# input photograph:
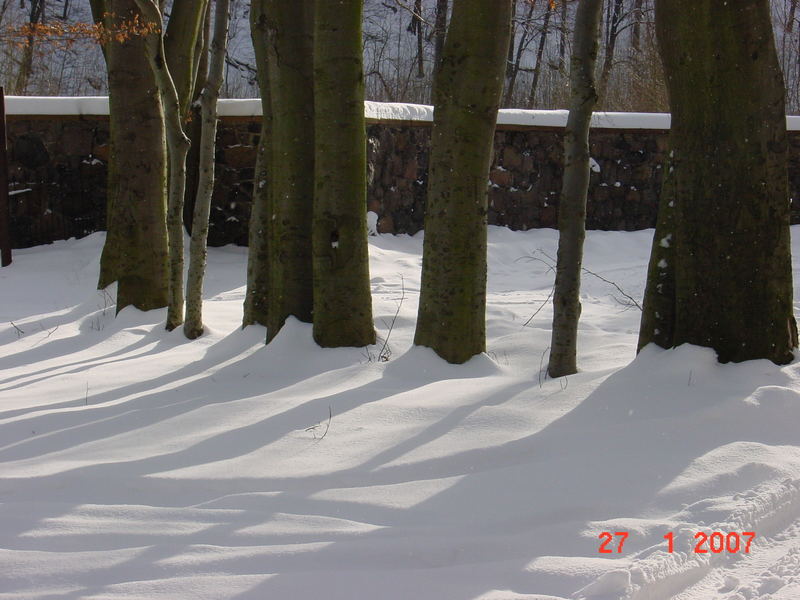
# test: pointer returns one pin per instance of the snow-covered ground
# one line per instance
(136, 464)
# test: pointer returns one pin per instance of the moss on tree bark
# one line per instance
(290, 56)
(720, 271)
(342, 299)
(452, 309)
(135, 253)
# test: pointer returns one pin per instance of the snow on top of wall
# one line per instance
(53, 105)
(398, 111)
(379, 111)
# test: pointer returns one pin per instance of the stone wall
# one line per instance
(62, 161)
(525, 179)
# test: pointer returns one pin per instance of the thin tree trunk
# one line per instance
(512, 37)
(180, 48)
(562, 42)
(290, 57)
(441, 31)
(539, 56)
(256, 301)
(177, 149)
(523, 41)
(135, 253)
(572, 205)
(636, 35)
(194, 124)
(193, 326)
(5, 216)
(418, 28)
(452, 307)
(608, 58)
(720, 271)
(342, 300)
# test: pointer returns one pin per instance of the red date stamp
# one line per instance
(715, 542)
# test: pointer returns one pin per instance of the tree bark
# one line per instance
(256, 301)
(193, 325)
(572, 205)
(184, 28)
(193, 124)
(177, 149)
(452, 308)
(720, 270)
(135, 253)
(342, 298)
(290, 56)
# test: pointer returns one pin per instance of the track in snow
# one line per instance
(770, 572)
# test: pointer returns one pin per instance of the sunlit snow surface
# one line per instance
(136, 464)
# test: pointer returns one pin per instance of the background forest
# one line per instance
(400, 42)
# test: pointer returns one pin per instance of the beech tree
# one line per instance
(342, 297)
(720, 270)
(290, 28)
(468, 84)
(177, 147)
(144, 244)
(256, 303)
(135, 252)
(193, 325)
(572, 204)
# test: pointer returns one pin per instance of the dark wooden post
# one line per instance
(5, 233)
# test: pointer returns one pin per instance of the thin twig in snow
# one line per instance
(385, 352)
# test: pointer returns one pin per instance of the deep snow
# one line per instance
(136, 464)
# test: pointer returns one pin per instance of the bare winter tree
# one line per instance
(193, 325)
(572, 205)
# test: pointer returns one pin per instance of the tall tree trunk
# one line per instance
(611, 45)
(537, 70)
(720, 271)
(177, 149)
(256, 300)
(290, 56)
(452, 307)
(572, 205)
(135, 253)
(193, 326)
(342, 300)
